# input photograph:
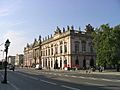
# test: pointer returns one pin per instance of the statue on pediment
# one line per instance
(63, 29)
(51, 35)
(28, 45)
(68, 28)
(35, 42)
(57, 30)
(39, 37)
(79, 30)
(89, 28)
(72, 27)
(48, 37)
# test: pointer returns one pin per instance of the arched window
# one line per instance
(84, 63)
(52, 49)
(65, 61)
(76, 47)
(65, 47)
(77, 61)
(56, 64)
(92, 62)
(51, 63)
(83, 46)
(60, 63)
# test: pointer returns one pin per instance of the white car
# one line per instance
(38, 67)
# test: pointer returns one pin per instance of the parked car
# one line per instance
(11, 67)
(38, 67)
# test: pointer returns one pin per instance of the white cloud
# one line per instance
(9, 6)
(3, 12)
(18, 41)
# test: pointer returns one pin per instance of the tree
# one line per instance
(107, 44)
(116, 48)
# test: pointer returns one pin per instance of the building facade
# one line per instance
(19, 59)
(66, 48)
(11, 60)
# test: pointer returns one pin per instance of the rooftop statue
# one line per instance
(57, 30)
(72, 27)
(63, 29)
(89, 28)
(39, 37)
(68, 28)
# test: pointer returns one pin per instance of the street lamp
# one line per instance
(7, 44)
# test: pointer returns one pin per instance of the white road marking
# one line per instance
(81, 77)
(50, 73)
(2, 76)
(28, 76)
(93, 78)
(48, 82)
(110, 80)
(66, 75)
(14, 86)
(74, 76)
(94, 84)
(107, 80)
(55, 74)
(59, 75)
(68, 87)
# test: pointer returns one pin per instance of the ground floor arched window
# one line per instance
(60, 63)
(65, 63)
(92, 62)
(56, 64)
(84, 63)
(77, 61)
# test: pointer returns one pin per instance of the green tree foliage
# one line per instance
(107, 44)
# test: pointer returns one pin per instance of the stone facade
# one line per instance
(66, 48)
(19, 59)
(11, 60)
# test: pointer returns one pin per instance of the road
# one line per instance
(38, 80)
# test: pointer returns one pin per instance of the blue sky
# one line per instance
(23, 20)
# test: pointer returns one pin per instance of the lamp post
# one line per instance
(7, 43)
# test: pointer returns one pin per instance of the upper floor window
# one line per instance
(56, 50)
(46, 52)
(83, 46)
(60, 49)
(41, 53)
(76, 47)
(61, 42)
(65, 47)
(52, 51)
(49, 51)
(91, 48)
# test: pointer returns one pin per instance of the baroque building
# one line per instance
(66, 48)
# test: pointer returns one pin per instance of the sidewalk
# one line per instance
(8, 86)
(106, 72)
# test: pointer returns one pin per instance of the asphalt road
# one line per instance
(38, 80)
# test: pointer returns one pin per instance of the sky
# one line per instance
(21, 21)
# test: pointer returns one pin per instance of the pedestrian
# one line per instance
(13, 67)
